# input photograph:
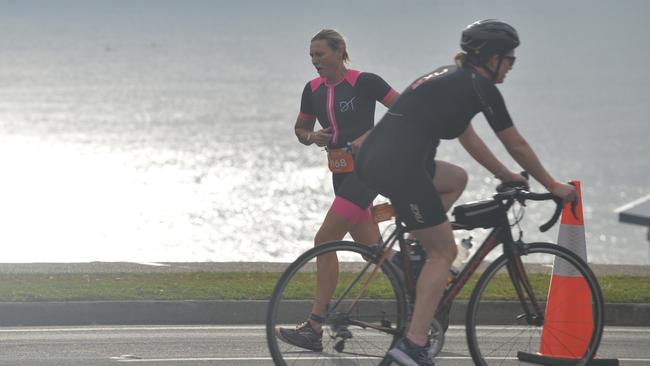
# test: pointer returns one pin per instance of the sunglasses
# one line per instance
(511, 59)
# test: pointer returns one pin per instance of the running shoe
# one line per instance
(408, 354)
(304, 336)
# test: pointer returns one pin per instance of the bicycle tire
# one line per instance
(501, 337)
(367, 346)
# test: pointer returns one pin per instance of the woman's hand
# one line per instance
(321, 137)
(565, 191)
(512, 177)
(356, 144)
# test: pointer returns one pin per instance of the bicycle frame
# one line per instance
(500, 234)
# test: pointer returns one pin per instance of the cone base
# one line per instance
(560, 361)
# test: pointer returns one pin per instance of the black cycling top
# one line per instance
(439, 105)
(348, 106)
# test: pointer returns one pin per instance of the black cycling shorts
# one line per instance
(353, 197)
(418, 203)
(412, 193)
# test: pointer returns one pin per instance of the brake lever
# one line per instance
(574, 204)
(574, 209)
(558, 211)
(522, 201)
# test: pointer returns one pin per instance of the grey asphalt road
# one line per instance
(220, 345)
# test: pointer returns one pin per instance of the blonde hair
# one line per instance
(460, 59)
(334, 40)
(463, 59)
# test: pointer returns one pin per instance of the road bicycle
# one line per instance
(506, 314)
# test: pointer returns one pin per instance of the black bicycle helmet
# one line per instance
(487, 37)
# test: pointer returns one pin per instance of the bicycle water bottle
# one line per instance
(463, 253)
(417, 257)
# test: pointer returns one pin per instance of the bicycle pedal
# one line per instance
(339, 346)
(342, 332)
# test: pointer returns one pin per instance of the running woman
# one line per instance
(441, 105)
(343, 101)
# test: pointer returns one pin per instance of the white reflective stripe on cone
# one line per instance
(571, 237)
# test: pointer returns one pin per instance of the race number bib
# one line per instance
(340, 160)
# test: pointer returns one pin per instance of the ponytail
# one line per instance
(463, 59)
(460, 59)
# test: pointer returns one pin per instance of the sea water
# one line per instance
(163, 130)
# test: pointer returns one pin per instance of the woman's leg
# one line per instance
(334, 227)
(438, 241)
(440, 246)
(343, 217)
(366, 232)
(309, 335)
(450, 181)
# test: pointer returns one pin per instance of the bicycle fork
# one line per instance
(533, 313)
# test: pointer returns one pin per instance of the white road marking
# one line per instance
(248, 327)
(154, 360)
(129, 328)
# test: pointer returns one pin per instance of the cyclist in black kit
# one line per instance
(441, 105)
(343, 101)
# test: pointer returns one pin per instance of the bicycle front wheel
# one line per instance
(564, 317)
(365, 317)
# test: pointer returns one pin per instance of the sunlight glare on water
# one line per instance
(159, 131)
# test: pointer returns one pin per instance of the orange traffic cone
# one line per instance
(568, 321)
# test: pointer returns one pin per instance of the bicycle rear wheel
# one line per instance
(567, 326)
(362, 323)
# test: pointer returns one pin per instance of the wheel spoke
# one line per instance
(492, 342)
(363, 300)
